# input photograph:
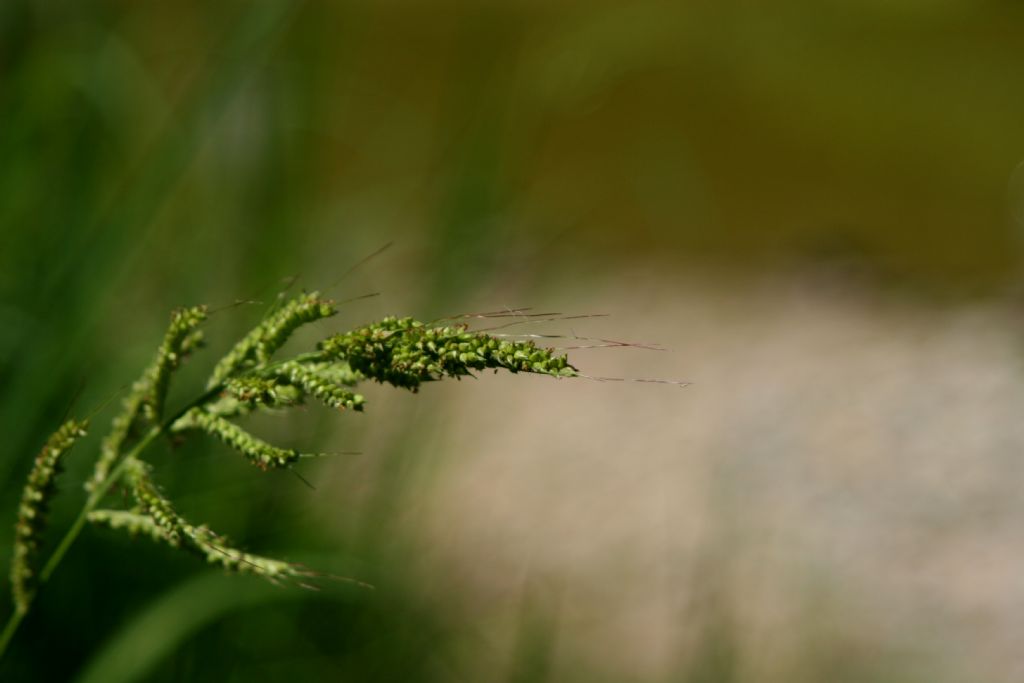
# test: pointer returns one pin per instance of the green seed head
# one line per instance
(320, 381)
(35, 499)
(255, 450)
(405, 353)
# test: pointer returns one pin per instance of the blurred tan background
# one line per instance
(835, 498)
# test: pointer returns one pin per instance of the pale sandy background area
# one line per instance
(839, 490)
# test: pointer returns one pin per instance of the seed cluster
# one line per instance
(256, 450)
(252, 391)
(313, 380)
(338, 372)
(405, 353)
(35, 502)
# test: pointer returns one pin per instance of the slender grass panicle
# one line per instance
(35, 500)
(398, 351)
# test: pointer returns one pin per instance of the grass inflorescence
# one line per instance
(402, 352)
(405, 353)
(35, 501)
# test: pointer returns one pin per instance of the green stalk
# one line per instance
(9, 630)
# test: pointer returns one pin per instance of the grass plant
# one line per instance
(402, 352)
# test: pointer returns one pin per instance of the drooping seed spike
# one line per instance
(218, 551)
(255, 450)
(199, 540)
(32, 513)
(154, 504)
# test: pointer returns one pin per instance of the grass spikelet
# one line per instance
(35, 499)
(135, 523)
(279, 327)
(178, 341)
(252, 390)
(256, 450)
(153, 503)
(405, 353)
(147, 394)
(317, 380)
(256, 348)
(213, 548)
(217, 550)
(340, 373)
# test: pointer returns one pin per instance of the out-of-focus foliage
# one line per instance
(155, 154)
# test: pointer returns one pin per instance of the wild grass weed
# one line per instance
(402, 352)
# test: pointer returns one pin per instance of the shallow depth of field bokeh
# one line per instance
(816, 207)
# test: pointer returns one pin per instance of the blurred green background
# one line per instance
(797, 197)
